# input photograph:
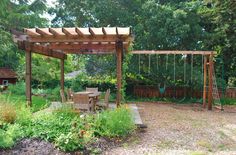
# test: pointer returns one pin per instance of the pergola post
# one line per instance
(119, 51)
(62, 75)
(28, 60)
(204, 82)
(210, 88)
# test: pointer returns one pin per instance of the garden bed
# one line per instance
(61, 129)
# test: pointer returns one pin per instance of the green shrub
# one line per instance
(17, 89)
(9, 134)
(24, 115)
(69, 142)
(62, 127)
(118, 122)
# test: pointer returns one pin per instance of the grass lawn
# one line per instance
(38, 102)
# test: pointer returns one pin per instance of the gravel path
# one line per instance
(181, 129)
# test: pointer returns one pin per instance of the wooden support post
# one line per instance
(119, 51)
(28, 59)
(210, 88)
(62, 75)
(205, 82)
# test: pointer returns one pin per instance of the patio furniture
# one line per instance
(69, 94)
(83, 102)
(105, 103)
(92, 89)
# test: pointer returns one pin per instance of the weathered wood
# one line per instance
(204, 82)
(62, 75)
(44, 32)
(28, 59)
(119, 51)
(45, 50)
(89, 52)
(174, 52)
(210, 88)
(82, 46)
(77, 38)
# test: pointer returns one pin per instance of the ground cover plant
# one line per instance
(67, 130)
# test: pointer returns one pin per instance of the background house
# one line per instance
(7, 76)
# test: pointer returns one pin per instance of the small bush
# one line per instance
(68, 142)
(17, 89)
(24, 115)
(118, 122)
(7, 113)
(9, 134)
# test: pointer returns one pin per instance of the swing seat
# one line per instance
(162, 90)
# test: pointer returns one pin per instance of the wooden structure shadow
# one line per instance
(58, 42)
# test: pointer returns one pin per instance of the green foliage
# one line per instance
(228, 101)
(9, 134)
(103, 83)
(17, 89)
(69, 142)
(20, 100)
(118, 122)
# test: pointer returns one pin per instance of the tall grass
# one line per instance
(118, 122)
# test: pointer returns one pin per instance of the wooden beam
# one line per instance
(89, 52)
(82, 46)
(55, 31)
(44, 32)
(210, 88)
(62, 75)
(91, 31)
(79, 31)
(173, 52)
(104, 31)
(32, 32)
(44, 50)
(28, 60)
(76, 38)
(204, 82)
(66, 32)
(119, 51)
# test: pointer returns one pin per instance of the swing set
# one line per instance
(207, 72)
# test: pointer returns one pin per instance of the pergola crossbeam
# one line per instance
(174, 52)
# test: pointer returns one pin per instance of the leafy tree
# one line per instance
(17, 15)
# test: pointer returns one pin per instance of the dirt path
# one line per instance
(182, 129)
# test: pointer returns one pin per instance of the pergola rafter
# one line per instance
(58, 42)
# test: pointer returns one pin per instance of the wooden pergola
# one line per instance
(58, 42)
(208, 67)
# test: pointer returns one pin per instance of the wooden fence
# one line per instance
(178, 92)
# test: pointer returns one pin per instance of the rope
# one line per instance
(157, 62)
(139, 64)
(185, 69)
(166, 61)
(149, 63)
(174, 69)
(191, 76)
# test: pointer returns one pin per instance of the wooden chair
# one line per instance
(105, 103)
(69, 95)
(92, 89)
(82, 102)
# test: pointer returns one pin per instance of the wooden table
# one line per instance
(93, 95)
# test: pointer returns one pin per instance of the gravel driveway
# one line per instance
(181, 129)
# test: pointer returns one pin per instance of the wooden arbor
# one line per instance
(58, 42)
(208, 66)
